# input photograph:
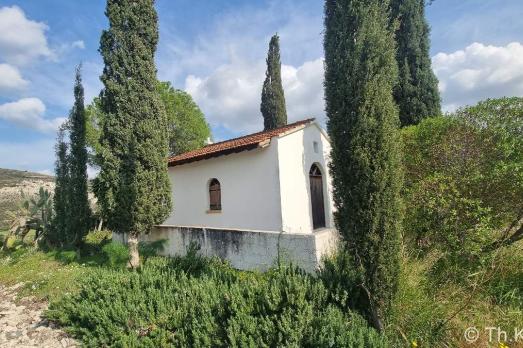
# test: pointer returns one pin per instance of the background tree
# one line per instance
(133, 187)
(80, 212)
(61, 218)
(464, 187)
(273, 99)
(360, 72)
(416, 91)
(187, 127)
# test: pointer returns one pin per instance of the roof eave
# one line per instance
(242, 148)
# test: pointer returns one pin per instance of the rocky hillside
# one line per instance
(13, 182)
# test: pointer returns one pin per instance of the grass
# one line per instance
(436, 312)
(43, 275)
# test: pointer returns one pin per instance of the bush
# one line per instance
(341, 279)
(116, 254)
(94, 241)
(66, 256)
(163, 304)
(149, 249)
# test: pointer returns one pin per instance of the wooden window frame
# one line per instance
(215, 196)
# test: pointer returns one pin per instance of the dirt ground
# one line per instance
(22, 324)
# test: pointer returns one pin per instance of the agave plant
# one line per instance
(34, 213)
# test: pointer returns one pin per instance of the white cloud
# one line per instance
(21, 40)
(223, 67)
(230, 96)
(239, 35)
(304, 90)
(28, 113)
(478, 72)
(11, 80)
(78, 44)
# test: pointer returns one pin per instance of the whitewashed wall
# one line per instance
(264, 189)
(249, 191)
(296, 155)
(248, 250)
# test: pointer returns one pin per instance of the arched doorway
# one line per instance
(318, 209)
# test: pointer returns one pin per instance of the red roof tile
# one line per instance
(247, 142)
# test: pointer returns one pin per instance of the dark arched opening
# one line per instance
(215, 195)
(317, 203)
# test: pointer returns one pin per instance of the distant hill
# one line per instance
(12, 182)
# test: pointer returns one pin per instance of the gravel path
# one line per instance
(22, 324)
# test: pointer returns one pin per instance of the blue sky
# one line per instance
(215, 50)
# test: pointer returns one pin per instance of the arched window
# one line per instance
(215, 195)
(316, 185)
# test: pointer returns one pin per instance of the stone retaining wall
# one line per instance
(244, 249)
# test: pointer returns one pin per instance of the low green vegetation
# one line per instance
(197, 302)
(45, 275)
(189, 301)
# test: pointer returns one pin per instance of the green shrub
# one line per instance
(66, 256)
(340, 278)
(332, 328)
(116, 254)
(97, 237)
(150, 249)
(165, 303)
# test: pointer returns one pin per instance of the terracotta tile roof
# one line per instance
(247, 142)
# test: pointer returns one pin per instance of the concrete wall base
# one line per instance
(245, 249)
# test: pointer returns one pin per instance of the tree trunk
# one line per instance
(375, 318)
(134, 256)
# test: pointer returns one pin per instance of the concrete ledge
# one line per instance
(244, 249)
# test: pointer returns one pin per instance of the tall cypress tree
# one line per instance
(80, 212)
(360, 72)
(133, 187)
(273, 99)
(416, 92)
(57, 236)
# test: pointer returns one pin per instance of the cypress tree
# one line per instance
(416, 91)
(133, 187)
(60, 222)
(360, 72)
(80, 212)
(273, 99)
